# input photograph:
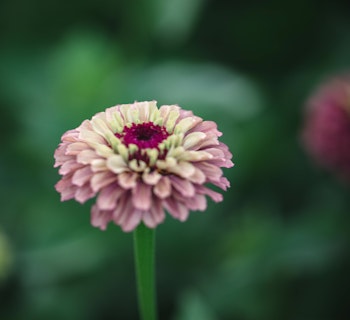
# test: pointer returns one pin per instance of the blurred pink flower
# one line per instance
(326, 132)
(140, 160)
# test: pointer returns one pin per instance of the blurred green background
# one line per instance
(276, 248)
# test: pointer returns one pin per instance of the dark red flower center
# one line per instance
(144, 135)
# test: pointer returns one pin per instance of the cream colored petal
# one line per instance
(100, 127)
(176, 152)
(99, 165)
(193, 139)
(153, 156)
(144, 110)
(194, 156)
(124, 112)
(183, 169)
(104, 151)
(186, 124)
(151, 178)
(137, 166)
(171, 120)
(123, 151)
(92, 138)
(153, 111)
(133, 114)
(116, 164)
(169, 162)
(117, 120)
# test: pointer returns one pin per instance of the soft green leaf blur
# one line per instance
(278, 247)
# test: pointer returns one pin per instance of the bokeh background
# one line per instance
(276, 248)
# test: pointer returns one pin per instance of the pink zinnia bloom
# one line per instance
(326, 132)
(140, 160)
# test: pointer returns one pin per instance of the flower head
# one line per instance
(326, 134)
(140, 160)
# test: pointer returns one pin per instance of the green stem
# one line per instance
(144, 239)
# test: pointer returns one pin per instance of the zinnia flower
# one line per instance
(140, 160)
(326, 132)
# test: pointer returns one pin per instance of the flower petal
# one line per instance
(163, 188)
(127, 180)
(108, 197)
(116, 164)
(102, 179)
(151, 178)
(132, 220)
(100, 218)
(81, 176)
(84, 193)
(176, 209)
(141, 196)
(184, 186)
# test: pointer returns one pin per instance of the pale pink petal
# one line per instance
(68, 167)
(70, 136)
(197, 177)
(87, 156)
(176, 209)
(194, 139)
(148, 219)
(222, 183)
(213, 173)
(64, 183)
(224, 148)
(84, 193)
(102, 179)
(81, 176)
(163, 188)
(68, 193)
(141, 196)
(122, 205)
(122, 217)
(127, 180)
(207, 143)
(186, 124)
(206, 127)
(132, 221)
(157, 210)
(184, 186)
(76, 148)
(100, 218)
(92, 138)
(197, 202)
(155, 215)
(108, 197)
(217, 197)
